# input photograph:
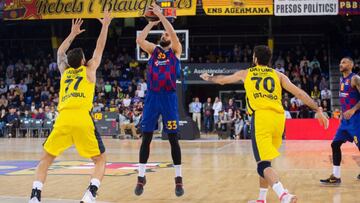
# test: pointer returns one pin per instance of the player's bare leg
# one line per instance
(40, 176)
(96, 177)
(265, 170)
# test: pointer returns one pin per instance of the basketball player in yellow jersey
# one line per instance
(74, 125)
(264, 88)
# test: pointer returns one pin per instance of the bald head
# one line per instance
(346, 64)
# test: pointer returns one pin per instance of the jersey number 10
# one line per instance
(69, 81)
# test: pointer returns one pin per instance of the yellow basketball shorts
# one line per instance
(74, 128)
(267, 128)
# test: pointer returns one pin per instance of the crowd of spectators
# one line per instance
(227, 119)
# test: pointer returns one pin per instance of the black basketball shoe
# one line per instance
(35, 196)
(332, 180)
(139, 189)
(179, 190)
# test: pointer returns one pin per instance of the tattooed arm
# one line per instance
(61, 53)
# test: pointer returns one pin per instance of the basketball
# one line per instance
(150, 16)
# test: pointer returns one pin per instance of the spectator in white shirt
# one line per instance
(280, 68)
(13, 85)
(143, 85)
(127, 100)
(325, 94)
(140, 92)
(196, 107)
(96, 108)
(217, 107)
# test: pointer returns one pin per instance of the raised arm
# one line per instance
(304, 97)
(176, 45)
(61, 53)
(225, 79)
(95, 61)
(141, 39)
(355, 82)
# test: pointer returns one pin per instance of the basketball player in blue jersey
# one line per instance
(349, 129)
(161, 98)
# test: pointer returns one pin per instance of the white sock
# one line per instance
(177, 170)
(278, 189)
(37, 185)
(263, 193)
(142, 169)
(336, 171)
(95, 182)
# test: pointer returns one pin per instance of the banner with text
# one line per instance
(238, 7)
(65, 9)
(305, 7)
(192, 71)
(349, 7)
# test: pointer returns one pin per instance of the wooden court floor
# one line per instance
(214, 172)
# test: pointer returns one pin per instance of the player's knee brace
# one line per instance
(336, 151)
(262, 166)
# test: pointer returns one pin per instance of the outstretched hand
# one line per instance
(76, 26)
(205, 76)
(107, 18)
(323, 120)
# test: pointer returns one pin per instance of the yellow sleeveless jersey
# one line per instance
(76, 92)
(263, 90)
